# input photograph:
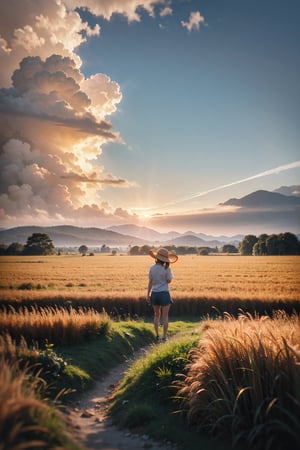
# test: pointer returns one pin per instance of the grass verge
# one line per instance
(146, 402)
(29, 380)
(92, 360)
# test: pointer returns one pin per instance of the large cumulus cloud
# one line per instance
(54, 120)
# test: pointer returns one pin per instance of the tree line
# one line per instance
(37, 244)
(274, 244)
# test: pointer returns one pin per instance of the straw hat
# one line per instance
(163, 255)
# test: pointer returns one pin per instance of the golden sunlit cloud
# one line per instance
(53, 120)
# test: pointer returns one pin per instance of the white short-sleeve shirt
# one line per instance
(160, 277)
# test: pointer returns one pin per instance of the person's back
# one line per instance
(158, 293)
(161, 277)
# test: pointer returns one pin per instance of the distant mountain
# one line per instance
(206, 237)
(70, 236)
(289, 190)
(192, 241)
(263, 209)
(264, 199)
(174, 238)
(143, 232)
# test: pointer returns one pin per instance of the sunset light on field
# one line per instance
(152, 112)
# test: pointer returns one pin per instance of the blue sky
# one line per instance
(197, 102)
(206, 107)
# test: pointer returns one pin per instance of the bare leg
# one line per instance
(165, 319)
(156, 309)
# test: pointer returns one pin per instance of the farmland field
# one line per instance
(251, 302)
(263, 278)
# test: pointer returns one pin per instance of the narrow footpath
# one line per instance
(93, 428)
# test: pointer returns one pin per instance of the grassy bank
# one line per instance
(238, 380)
(235, 378)
(33, 375)
(146, 400)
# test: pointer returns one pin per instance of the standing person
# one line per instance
(158, 295)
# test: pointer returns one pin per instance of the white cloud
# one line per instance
(194, 21)
(53, 120)
(51, 90)
(40, 29)
(106, 8)
(167, 11)
(104, 93)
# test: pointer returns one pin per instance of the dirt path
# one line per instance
(94, 430)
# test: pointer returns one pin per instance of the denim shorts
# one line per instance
(161, 298)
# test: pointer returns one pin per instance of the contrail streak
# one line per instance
(276, 170)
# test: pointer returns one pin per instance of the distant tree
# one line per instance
(181, 250)
(272, 244)
(203, 251)
(15, 249)
(277, 244)
(207, 250)
(229, 248)
(288, 244)
(105, 249)
(260, 248)
(262, 237)
(135, 250)
(145, 249)
(83, 250)
(247, 244)
(191, 251)
(3, 249)
(39, 244)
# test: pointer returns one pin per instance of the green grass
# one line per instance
(145, 400)
(93, 359)
(28, 416)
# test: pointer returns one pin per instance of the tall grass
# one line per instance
(244, 381)
(26, 422)
(55, 325)
(45, 362)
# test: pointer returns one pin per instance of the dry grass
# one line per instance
(55, 325)
(202, 284)
(26, 422)
(223, 277)
(244, 381)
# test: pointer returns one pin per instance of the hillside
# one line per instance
(144, 232)
(70, 236)
(264, 199)
(259, 207)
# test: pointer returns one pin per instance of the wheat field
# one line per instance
(267, 278)
(243, 381)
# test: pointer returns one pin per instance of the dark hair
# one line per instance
(165, 264)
